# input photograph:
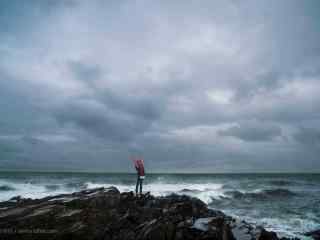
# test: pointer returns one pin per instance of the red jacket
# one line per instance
(138, 164)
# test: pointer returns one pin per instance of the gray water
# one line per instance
(286, 203)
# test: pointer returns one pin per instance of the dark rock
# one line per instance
(265, 235)
(107, 214)
(15, 199)
(314, 234)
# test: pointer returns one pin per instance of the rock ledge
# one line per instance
(105, 213)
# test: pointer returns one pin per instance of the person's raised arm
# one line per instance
(135, 163)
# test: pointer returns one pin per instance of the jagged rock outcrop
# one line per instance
(314, 234)
(105, 213)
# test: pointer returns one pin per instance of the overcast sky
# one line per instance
(192, 86)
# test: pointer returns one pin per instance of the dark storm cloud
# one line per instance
(221, 86)
(252, 132)
(85, 72)
(104, 121)
(107, 114)
(308, 136)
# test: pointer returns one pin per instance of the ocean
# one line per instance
(288, 204)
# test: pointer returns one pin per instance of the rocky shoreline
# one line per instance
(105, 213)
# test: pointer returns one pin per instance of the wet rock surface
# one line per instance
(105, 213)
(314, 234)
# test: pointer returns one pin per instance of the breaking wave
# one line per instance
(76, 185)
(52, 187)
(261, 194)
(281, 182)
(206, 191)
(4, 188)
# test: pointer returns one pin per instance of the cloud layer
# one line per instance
(222, 86)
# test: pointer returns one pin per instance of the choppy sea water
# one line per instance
(286, 203)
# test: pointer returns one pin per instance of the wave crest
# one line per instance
(4, 188)
(263, 194)
(280, 182)
(52, 187)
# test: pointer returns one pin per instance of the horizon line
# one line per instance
(128, 172)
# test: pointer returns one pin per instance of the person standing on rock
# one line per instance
(139, 166)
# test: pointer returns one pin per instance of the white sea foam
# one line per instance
(205, 191)
(30, 190)
(284, 227)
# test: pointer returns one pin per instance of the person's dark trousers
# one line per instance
(139, 183)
